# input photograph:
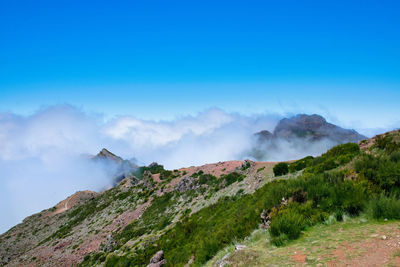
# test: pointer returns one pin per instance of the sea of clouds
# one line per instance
(45, 157)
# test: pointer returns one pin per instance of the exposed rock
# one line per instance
(148, 181)
(222, 262)
(121, 168)
(239, 247)
(247, 164)
(190, 262)
(185, 184)
(265, 215)
(157, 260)
(153, 164)
(105, 154)
(110, 243)
(265, 220)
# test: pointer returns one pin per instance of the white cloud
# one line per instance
(43, 157)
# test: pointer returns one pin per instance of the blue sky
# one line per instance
(162, 59)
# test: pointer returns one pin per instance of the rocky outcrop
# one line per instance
(110, 243)
(266, 215)
(246, 164)
(119, 168)
(148, 180)
(185, 184)
(265, 220)
(157, 260)
(105, 154)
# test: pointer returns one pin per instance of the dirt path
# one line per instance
(381, 249)
(353, 243)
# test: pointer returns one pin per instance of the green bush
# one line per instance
(291, 220)
(383, 170)
(281, 168)
(384, 207)
(289, 223)
(333, 158)
(387, 143)
(232, 177)
(207, 179)
(301, 164)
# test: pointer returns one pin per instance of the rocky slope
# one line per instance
(86, 221)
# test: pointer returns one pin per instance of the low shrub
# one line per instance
(288, 222)
(232, 177)
(383, 207)
(301, 164)
(281, 168)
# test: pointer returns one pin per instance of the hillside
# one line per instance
(195, 213)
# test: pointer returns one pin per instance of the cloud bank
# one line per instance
(44, 157)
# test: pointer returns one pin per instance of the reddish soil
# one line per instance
(371, 252)
(73, 200)
(299, 257)
(215, 169)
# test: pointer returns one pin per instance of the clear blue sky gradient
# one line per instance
(160, 59)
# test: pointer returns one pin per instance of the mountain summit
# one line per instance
(117, 166)
(314, 127)
(299, 136)
(105, 154)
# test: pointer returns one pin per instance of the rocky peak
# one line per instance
(105, 154)
(315, 127)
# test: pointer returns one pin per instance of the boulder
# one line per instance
(157, 260)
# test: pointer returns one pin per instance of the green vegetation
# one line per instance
(154, 218)
(383, 207)
(383, 171)
(327, 186)
(260, 169)
(333, 158)
(288, 223)
(207, 179)
(388, 143)
(154, 169)
(281, 168)
(232, 177)
(301, 164)
(319, 244)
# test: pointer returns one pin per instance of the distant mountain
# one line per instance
(314, 127)
(104, 154)
(118, 167)
(301, 135)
